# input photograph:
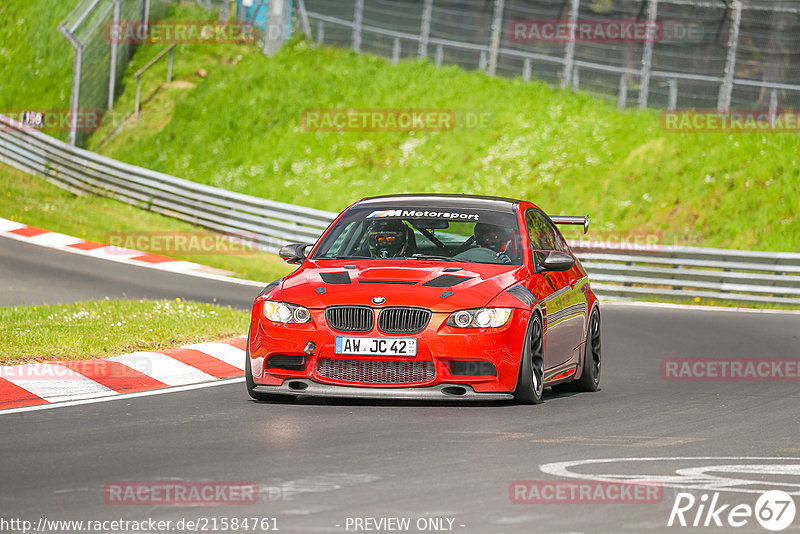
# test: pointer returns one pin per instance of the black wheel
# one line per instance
(248, 379)
(530, 383)
(590, 378)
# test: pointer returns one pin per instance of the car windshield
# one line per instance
(463, 235)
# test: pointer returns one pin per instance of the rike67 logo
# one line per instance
(774, 510)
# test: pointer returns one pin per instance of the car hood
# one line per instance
(438, 286)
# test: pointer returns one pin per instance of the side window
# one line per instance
(540, 231)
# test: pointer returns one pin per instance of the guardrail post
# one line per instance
(320, 33)
(358, 21)
(569, 50)
(622, 98)
(575, 78)
(672, 84)
(439, 55)
(773, 106)
(169, 67)
(647, 57)
(75, 96)
(425, 30)
(526, 69)
(725, 90)
(146, 16)
(396, 51)
(112, 71)
(482, 61)
(301, 6)
(138, 94)
(497, 31)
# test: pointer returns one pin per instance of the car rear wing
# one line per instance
(570, 219)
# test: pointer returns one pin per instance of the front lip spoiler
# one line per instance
(309, 388)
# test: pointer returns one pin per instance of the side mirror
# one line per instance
(558, 261)
(294, 253)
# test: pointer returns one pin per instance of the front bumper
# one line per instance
(439, 346)
(309, 388)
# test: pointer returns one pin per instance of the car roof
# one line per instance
(441, 201)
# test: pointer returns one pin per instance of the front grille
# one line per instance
(403, 320)
(376, 371)
(350, 318)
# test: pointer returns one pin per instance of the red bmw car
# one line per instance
(428, 297)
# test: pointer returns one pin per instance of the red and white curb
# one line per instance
(66, 243)
(46, 383)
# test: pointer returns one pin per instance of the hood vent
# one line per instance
(336, 278)
(395, 282)
(446, 280)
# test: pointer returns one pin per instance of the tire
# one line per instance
(248, 379)
(530, 383)
(590, 377)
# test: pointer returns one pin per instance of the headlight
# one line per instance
(282, 312)
(479, 318)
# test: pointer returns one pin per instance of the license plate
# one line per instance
(378, 346)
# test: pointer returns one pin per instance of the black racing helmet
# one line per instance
(387, 239)
(491, 236)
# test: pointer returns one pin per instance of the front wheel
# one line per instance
(590, 377)
(530, 383)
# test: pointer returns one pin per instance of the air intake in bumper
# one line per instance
(376, 371)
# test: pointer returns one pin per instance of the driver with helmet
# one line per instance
(388, 239)
(494, 238)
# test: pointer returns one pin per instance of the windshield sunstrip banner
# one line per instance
(425, 213)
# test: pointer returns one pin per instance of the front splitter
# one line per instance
(452, 392)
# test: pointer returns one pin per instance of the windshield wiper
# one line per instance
(431, 257)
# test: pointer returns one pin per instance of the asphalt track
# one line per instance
(318, 463)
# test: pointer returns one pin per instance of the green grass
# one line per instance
(38, 203)
(96, 329)
(35, 59)
(239, 128)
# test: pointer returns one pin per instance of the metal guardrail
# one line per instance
(657, 271)
(81, 171)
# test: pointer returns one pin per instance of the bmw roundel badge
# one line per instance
(378, 300)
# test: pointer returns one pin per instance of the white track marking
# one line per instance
(221, 351)
(52, 239)
(163, 368)
(162, 391)
(71, 385)
(191, 269)
(694, 478)
(10, 226)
